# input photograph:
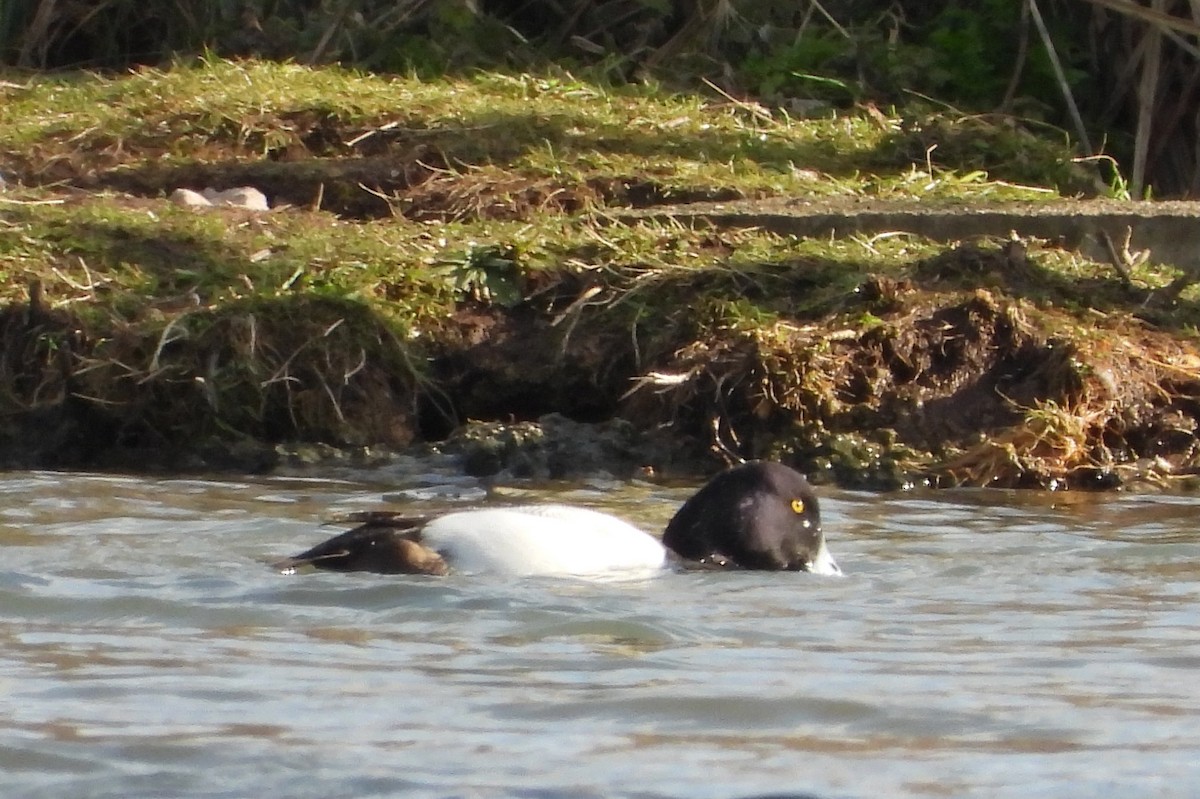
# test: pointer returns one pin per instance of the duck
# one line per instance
(760, 515)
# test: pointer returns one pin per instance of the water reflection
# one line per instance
(981, 644)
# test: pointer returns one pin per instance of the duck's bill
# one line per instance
(823, 563)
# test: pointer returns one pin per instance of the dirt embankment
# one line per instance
(606, 326)
(963, 368)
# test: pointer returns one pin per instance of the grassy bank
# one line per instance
(448, 250)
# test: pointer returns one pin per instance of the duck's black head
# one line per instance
(759, 515)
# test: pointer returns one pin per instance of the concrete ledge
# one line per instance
(1170, 230)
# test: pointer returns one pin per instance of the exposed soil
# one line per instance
(979, 366)
(958, 380)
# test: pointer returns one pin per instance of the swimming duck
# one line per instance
(758, 515)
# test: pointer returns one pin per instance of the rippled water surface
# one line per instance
(981, 644)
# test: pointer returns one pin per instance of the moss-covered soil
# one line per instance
(494, 250)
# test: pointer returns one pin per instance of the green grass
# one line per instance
(108, 255)
(552, 127)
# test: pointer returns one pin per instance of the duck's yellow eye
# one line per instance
(798, 505)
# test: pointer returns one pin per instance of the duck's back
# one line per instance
(542, 539)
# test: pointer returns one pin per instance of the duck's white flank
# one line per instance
(542, 539)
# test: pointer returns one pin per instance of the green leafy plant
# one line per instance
(804, 67)
(488, 273)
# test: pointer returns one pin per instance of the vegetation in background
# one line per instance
(977, 57)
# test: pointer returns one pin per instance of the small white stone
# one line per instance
(189, 198)
(241, 197)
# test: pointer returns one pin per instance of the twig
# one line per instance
(1154, 16)
(291, 281)
(1120, 261)
(31, 202)
(386, 198)
(330, 32)
(836, 25)
(337, 409)
(719, 446)
(1022, 55)
(1061, 76)
(90, 286)
(576, 303)
(364, 136)
(753, 108)
(164, 340)
(362, 364)
(1151, 64)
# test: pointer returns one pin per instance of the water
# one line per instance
(981, 644)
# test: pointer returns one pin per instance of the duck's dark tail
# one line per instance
(386, 543)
